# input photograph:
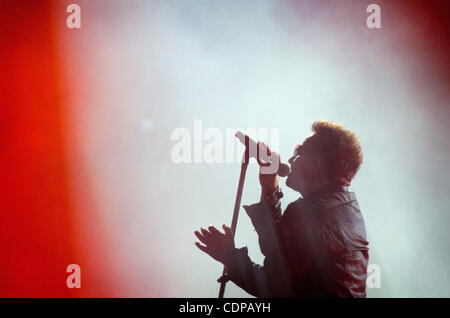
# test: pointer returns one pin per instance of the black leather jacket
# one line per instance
(316, 248)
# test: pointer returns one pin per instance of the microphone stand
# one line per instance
(237, 204)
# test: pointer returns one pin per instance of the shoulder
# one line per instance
(341, 221)
(297, 213)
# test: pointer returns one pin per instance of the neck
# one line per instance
(323, 188)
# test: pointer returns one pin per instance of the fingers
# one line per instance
(275, 157)
(227, 230)
(262, 145)
(202, 247)
(200, 237)
(269, 151)
(214, 231)
(205, 232)
(211, 236)
(215, 243)
(206, 236)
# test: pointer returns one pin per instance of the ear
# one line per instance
(320, 169)
(339, 173)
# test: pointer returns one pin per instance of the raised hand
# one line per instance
(216, 244)
(269, 182)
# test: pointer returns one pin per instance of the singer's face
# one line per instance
(305, 168)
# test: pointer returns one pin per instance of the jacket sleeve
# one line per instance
(257, 280)
(249, 276)
(265, 220)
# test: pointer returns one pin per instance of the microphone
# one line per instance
(283, 169)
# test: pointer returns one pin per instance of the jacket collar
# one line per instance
(330, 196)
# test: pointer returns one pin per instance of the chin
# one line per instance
(293, 184)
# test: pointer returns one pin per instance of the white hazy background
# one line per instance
(144, 68)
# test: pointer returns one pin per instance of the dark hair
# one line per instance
(339, 148)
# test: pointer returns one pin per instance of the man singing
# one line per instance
(317, 247)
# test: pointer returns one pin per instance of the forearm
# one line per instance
(265, 216)
(247, 275)
(270, 280)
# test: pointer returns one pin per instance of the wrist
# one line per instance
(269, 192)
(273, 199)
(231, 255)
(272, 196)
